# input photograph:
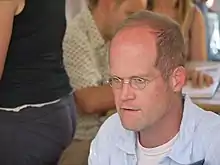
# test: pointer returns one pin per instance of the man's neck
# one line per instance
(99, 19)
(164, 130)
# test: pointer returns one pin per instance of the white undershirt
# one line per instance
(152, 156)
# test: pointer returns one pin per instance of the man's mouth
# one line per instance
(130, 109)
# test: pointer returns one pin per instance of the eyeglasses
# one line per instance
(135, 82)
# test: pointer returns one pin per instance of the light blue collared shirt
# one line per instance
(199, 139)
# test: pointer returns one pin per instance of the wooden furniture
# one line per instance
(212, 104)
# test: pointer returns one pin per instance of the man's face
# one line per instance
(133, 56)
(119, 12)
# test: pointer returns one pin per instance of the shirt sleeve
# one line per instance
(103, 145)
(79, 59)
(94, 158)
(99, 149)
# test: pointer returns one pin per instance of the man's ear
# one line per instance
(178, 79)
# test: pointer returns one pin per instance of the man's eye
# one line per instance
(138, 80)
(115, 80)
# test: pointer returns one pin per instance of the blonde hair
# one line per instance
(182, 6)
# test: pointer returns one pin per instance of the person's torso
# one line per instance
(117, 156)
(153, 155)
(196, 143)
(88, 125)
(34, 71)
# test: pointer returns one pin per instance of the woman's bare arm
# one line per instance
(198, 47)
(8, 9)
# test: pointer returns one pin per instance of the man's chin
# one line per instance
(131, 127)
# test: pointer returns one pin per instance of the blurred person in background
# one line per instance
(192, 25)
(193, 28)
(37, 109)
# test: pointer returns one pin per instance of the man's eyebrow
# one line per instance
(141, 75)
(133, 76)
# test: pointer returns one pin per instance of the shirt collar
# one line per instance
(182, 149)
(92, 31)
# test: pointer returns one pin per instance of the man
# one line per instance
(86, 61)
(155, 124)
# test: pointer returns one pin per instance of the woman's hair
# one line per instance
(92, 4)
(182, 7)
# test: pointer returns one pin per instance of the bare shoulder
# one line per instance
(195, 16)
(20, 6)
(196, 12)
(16, 5)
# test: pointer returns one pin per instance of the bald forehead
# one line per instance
(133, 49)
(139, 37)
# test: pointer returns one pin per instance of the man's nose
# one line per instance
(127, 92)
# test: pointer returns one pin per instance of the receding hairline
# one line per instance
(166, 30)
(119, 39)
(138, 25)
(146, 29)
